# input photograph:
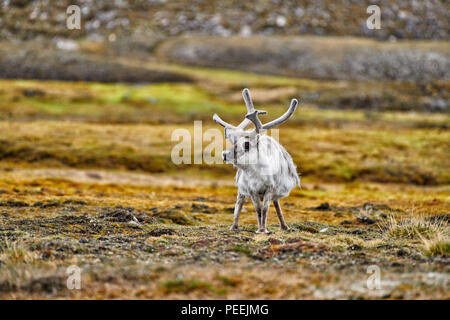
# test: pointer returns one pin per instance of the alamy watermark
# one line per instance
(374, 280)
(73, 20)
(74, 277)
(191, 150)
(374, 21)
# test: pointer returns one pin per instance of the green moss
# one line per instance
(187, 286)
(242, 249)
(438, 249)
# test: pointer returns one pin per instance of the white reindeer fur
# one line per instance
(265, 170)
(268, 168)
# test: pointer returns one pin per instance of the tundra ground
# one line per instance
(166, 241)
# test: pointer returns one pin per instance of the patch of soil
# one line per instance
(47, 204)
(12, 203)
(322, 207)
(121, 214)
(174, 215)
(292, 247)
(161, 231)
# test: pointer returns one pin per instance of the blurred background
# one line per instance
(176, 61)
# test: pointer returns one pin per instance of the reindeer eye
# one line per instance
(246, 146)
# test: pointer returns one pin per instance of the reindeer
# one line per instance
(265, 171)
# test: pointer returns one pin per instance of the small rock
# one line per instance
(365, 220)
(67, 45)
(134, 222)
(281, 21)
(245, 31)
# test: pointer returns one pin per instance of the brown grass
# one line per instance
(414, 227)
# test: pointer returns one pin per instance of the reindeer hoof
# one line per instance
(264, 231)
(284, 228)
(234, 228)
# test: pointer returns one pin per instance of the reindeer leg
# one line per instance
(257, 203)
(237, 211)
(264, 211)
(283, 224)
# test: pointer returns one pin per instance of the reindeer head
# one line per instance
(245, 148)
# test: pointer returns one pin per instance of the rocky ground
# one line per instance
(86, 177)
(175, 243)
(143, 20)
(316, 58)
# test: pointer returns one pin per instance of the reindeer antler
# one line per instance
(246, 122)
(252, 116)
(283, 118)
(250, 109)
